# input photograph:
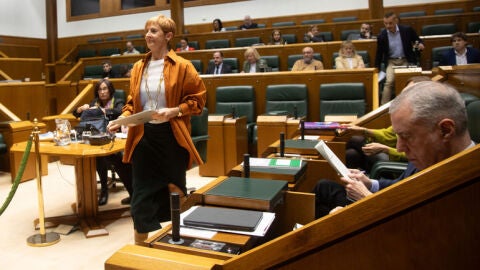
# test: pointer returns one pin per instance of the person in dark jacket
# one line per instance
(460, 54)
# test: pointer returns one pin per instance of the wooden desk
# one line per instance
(270, 126)
(86, 208)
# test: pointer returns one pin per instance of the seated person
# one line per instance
(253, 63)
(313, 35)
(112, 108)
(460, 54)
(107, 70)
(348, 58)
(130, 49)
(308, 62)
(184, 46)
(248, 23)
(365, 33)
(426, 134)
(218, 67)
(218, 26)
(276, 38)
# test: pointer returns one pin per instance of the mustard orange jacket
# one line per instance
(183, 87)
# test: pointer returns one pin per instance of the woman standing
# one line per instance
(160, 150)
(348, 57)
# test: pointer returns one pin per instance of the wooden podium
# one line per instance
(269, 128)
(226, 146)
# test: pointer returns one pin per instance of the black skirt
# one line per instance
(157, 161)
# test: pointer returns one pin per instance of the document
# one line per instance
(275, 163)
(334, 161)
(135, 119)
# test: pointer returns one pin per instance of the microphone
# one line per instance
(302, 129)
(295, 112)
(233, 112)
(282, 144)
(175, 215)
(246, 165)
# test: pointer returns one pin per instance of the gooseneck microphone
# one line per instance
(175, 215)
(246, 165)
(302, 129)
(282, 144)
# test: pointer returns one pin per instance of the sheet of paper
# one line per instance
(336, 163)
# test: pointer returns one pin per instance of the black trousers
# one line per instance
(328, 195)
(123, 170)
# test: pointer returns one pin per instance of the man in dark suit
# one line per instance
(218, 67)
(460, 54)
(426, 134)
(397, 45)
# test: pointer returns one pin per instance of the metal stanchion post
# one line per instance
(42, 239)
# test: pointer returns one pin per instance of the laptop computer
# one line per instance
(223, 218)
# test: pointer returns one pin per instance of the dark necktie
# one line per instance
(217, 71)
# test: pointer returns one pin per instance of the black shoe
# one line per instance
(125, 200)
(103, 198)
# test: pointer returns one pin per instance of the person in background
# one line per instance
(184, 46)
(130, 49)
(396, 46)
(365, 33)
(107, 70)
(218, 67)
(248, 23)
(160, 150)
(307, 62)
(112, 108)
(348, 58)
(313, 35)
(460, 54)
(218, 26)
(426, 134)
(276, 38)
(253, 63)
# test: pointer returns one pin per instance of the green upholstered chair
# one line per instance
(281, 24)
(141, 49)
(134, 36)
(3, 145)
(437, 54)
(233, 63)
(473, 27)
(119, 70)
(231, 28)
(200, 132)
(476, 9)
(198, 65)
(328, 35)
(448, 11)
(468, 98)
(417, 13)
(312, 22)
(291, 59)
(261, 25)
(192, 44)
(246, 41)
(273, 62)
(287, 99)
(93, 71)
(387, 169)
(345, 33)
(217, 43)
(473, 113)
(115, 38)
(345, 19)
(95, 40)
(239, 99)
(290, 38)
(439, 29)
(120, 94)
(84, 53)
(108, 51)
(364, 54)
(342, 99)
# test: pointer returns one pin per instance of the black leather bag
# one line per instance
(93, 120)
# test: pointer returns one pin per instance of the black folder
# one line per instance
(223, 218)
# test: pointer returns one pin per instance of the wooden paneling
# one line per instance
(21, 68)
(26, 100)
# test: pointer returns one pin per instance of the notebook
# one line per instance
(223, 218)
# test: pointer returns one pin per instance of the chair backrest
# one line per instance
(140, 49)
(473, 113)
(95, 40)
(290, 38)
(82, 53)
(113, 38)
(475, 9)
(437, 54)
(93, 71)
(439, 29)
(468, 98)
(286, 99)
(473, 27)
(448, 11)
(345, 33)
(364, 54)
(200, 123)
(273, 61)
(328, 36)
(311, 22)
(281, 24)
(217, 43)
(231, 28)
(342, 99)
(108, 51)
(120, 95)
(193, 44)
(261, 25)
(233, 63)
(294, 57)
(246, 41)
(119, 70)
(198, 65)
(345, 19)
(407, 14)
(134, 36)
(240, 98)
